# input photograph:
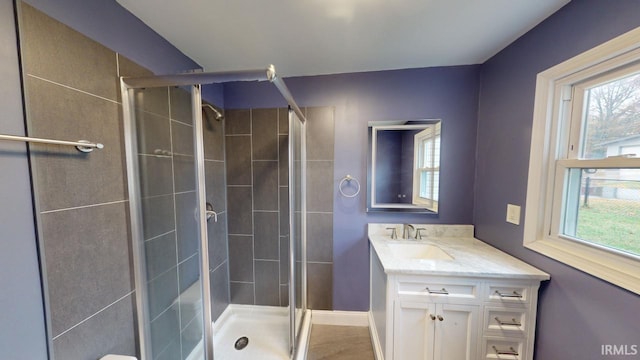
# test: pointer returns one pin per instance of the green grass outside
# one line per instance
(611, 222)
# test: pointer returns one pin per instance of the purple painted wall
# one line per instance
(578, 313)
(448, 93)
(213, 93)
(108, 23)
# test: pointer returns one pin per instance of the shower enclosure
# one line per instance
(182, 221)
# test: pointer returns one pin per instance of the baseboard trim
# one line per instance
(340, 318)
(375, 339)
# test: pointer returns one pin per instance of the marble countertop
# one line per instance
(471, 257)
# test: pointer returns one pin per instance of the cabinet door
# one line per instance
(413, 330)
(456, 332)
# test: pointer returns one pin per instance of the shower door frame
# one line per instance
(195, 80)
(294, 325)
(131, 146)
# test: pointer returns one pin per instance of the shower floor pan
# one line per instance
(266, 327)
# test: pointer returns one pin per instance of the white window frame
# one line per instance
(550, 157)
(432, 132)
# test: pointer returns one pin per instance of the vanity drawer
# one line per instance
(452, 289)
(506, 293)
(502, 348)
(505, 321)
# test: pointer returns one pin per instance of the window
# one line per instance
(583, 196)
(426, 173)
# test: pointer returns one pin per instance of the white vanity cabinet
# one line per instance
(448, 311)
(451, 318)
(434, 319)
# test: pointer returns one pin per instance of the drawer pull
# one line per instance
(511, 351)
(515, 294)
(513, 322)
(437, 292)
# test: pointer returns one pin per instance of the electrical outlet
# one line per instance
(513, 214)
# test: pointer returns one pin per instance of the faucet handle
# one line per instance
(394, 234)
(418, 235)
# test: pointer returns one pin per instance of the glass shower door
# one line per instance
(167, 213)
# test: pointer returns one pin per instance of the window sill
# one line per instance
(617, 269)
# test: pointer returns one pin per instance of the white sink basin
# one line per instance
(419, 251)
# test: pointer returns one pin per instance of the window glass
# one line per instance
(612, 119)
(602, 205)
(427, 152)
(604, 208)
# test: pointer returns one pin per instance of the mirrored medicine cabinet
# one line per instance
(403, 172)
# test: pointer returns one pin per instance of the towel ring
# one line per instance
(348, 180)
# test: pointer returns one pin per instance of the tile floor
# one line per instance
(330, 342)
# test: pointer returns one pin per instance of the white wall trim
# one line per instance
(375, 339)
(340, 318)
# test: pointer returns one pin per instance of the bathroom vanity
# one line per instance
(449, 296)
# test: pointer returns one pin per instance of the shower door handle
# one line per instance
(212, 214)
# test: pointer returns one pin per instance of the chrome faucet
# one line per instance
(406, 231)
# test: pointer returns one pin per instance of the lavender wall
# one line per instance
(108, 23)
(578, 312)
(448, 93)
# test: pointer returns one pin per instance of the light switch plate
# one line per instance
(513, 214)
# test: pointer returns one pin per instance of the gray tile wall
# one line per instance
(254, 157)
(71, 86)
(72, 92)
(257, 186)
(320, 154)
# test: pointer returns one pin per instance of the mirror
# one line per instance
(404, 166)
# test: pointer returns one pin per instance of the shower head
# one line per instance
(215, 111)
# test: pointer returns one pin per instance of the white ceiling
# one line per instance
(312, 37)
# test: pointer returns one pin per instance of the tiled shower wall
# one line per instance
(216, 195)
(72, 92)
(320, 195)
(257, 190)
(254, 211)
(71, 86)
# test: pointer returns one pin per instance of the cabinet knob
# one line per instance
(440, 317)
(433, 317)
